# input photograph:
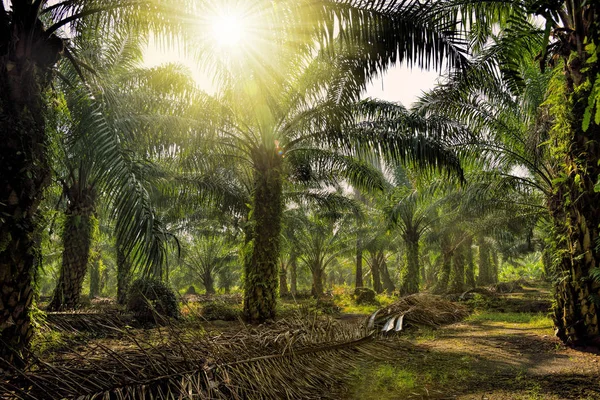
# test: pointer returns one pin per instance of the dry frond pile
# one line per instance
(288, 359)
(417, 310)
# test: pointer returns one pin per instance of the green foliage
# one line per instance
(529, 268)
(149, 298)
(364, 296)
(594, 95)
(383, 381)
(541, 321)
(220, 310)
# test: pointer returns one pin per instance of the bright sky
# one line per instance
(398, 84)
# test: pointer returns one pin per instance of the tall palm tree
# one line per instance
(30, 47)
(571, 37)
(103, 116)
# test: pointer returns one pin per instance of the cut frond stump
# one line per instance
(417, 310)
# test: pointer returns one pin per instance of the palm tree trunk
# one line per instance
(485, 268)
(283, 287)
(388, 284)
(260, 291)
(410, 280)
(208, 282)
(317, 281)
(95, 276)
(77, 239)
(24, 177)
(495, 266)
(123, 273)
(375, 273)
(25, 171)
(358, 280)
(457, 278)
(293, 274)
(444, 275)
(470, 265)
(574, 206)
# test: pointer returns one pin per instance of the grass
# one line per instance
(533, 320)
(381, 381)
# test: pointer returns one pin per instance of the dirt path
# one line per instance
(491, 356)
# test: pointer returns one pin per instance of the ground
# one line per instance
(504, 349)
(492, 355)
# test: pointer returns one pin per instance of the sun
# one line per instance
(228, 30)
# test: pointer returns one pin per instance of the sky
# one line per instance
(398, 84)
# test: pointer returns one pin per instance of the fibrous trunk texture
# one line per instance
(283, 286)
(575, 204)
(77, 239)
(317, 281)
(485, 276)
(457, 277)
(469, 263)
(24, 169)
(410, 279)
(358, 280)
(388, 284)
(124, 271)
(293, 274)
(444, 275)
(260, 291)
(374, 263)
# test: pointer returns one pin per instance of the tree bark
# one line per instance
(77, 239)
(376, 272)
(358, 280)
(283, 286)
(470, 264)
(123, 274)
(575, 201)
(317, 282)
(260, 294)
(208, 281)
(457, 278)
(485, 268)
(388, 284)
(24, 175)
(444, 275)
(95, 276)
(293, 275)
(495, 265)
(410, 280)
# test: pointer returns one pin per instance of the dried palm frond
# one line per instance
(74, 321)
(417, 310)
(289, 359)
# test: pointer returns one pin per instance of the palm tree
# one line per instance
(320, 242)
(572, 107)
(210, 254)
(31, 47)
(121, 175)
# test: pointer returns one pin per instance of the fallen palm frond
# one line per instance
(417, 310)
(288, 359)
(86, 321)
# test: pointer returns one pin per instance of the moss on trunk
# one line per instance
(261, 270)
(410, 279)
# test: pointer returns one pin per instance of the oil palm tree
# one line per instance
(570, 44)
(103, 119)
(31, 45)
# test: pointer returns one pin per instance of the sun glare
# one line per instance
(228, 30)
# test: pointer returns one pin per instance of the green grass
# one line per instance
(381, 381)
(533, 320)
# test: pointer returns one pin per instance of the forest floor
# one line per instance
(505, 349)
(494, 354)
